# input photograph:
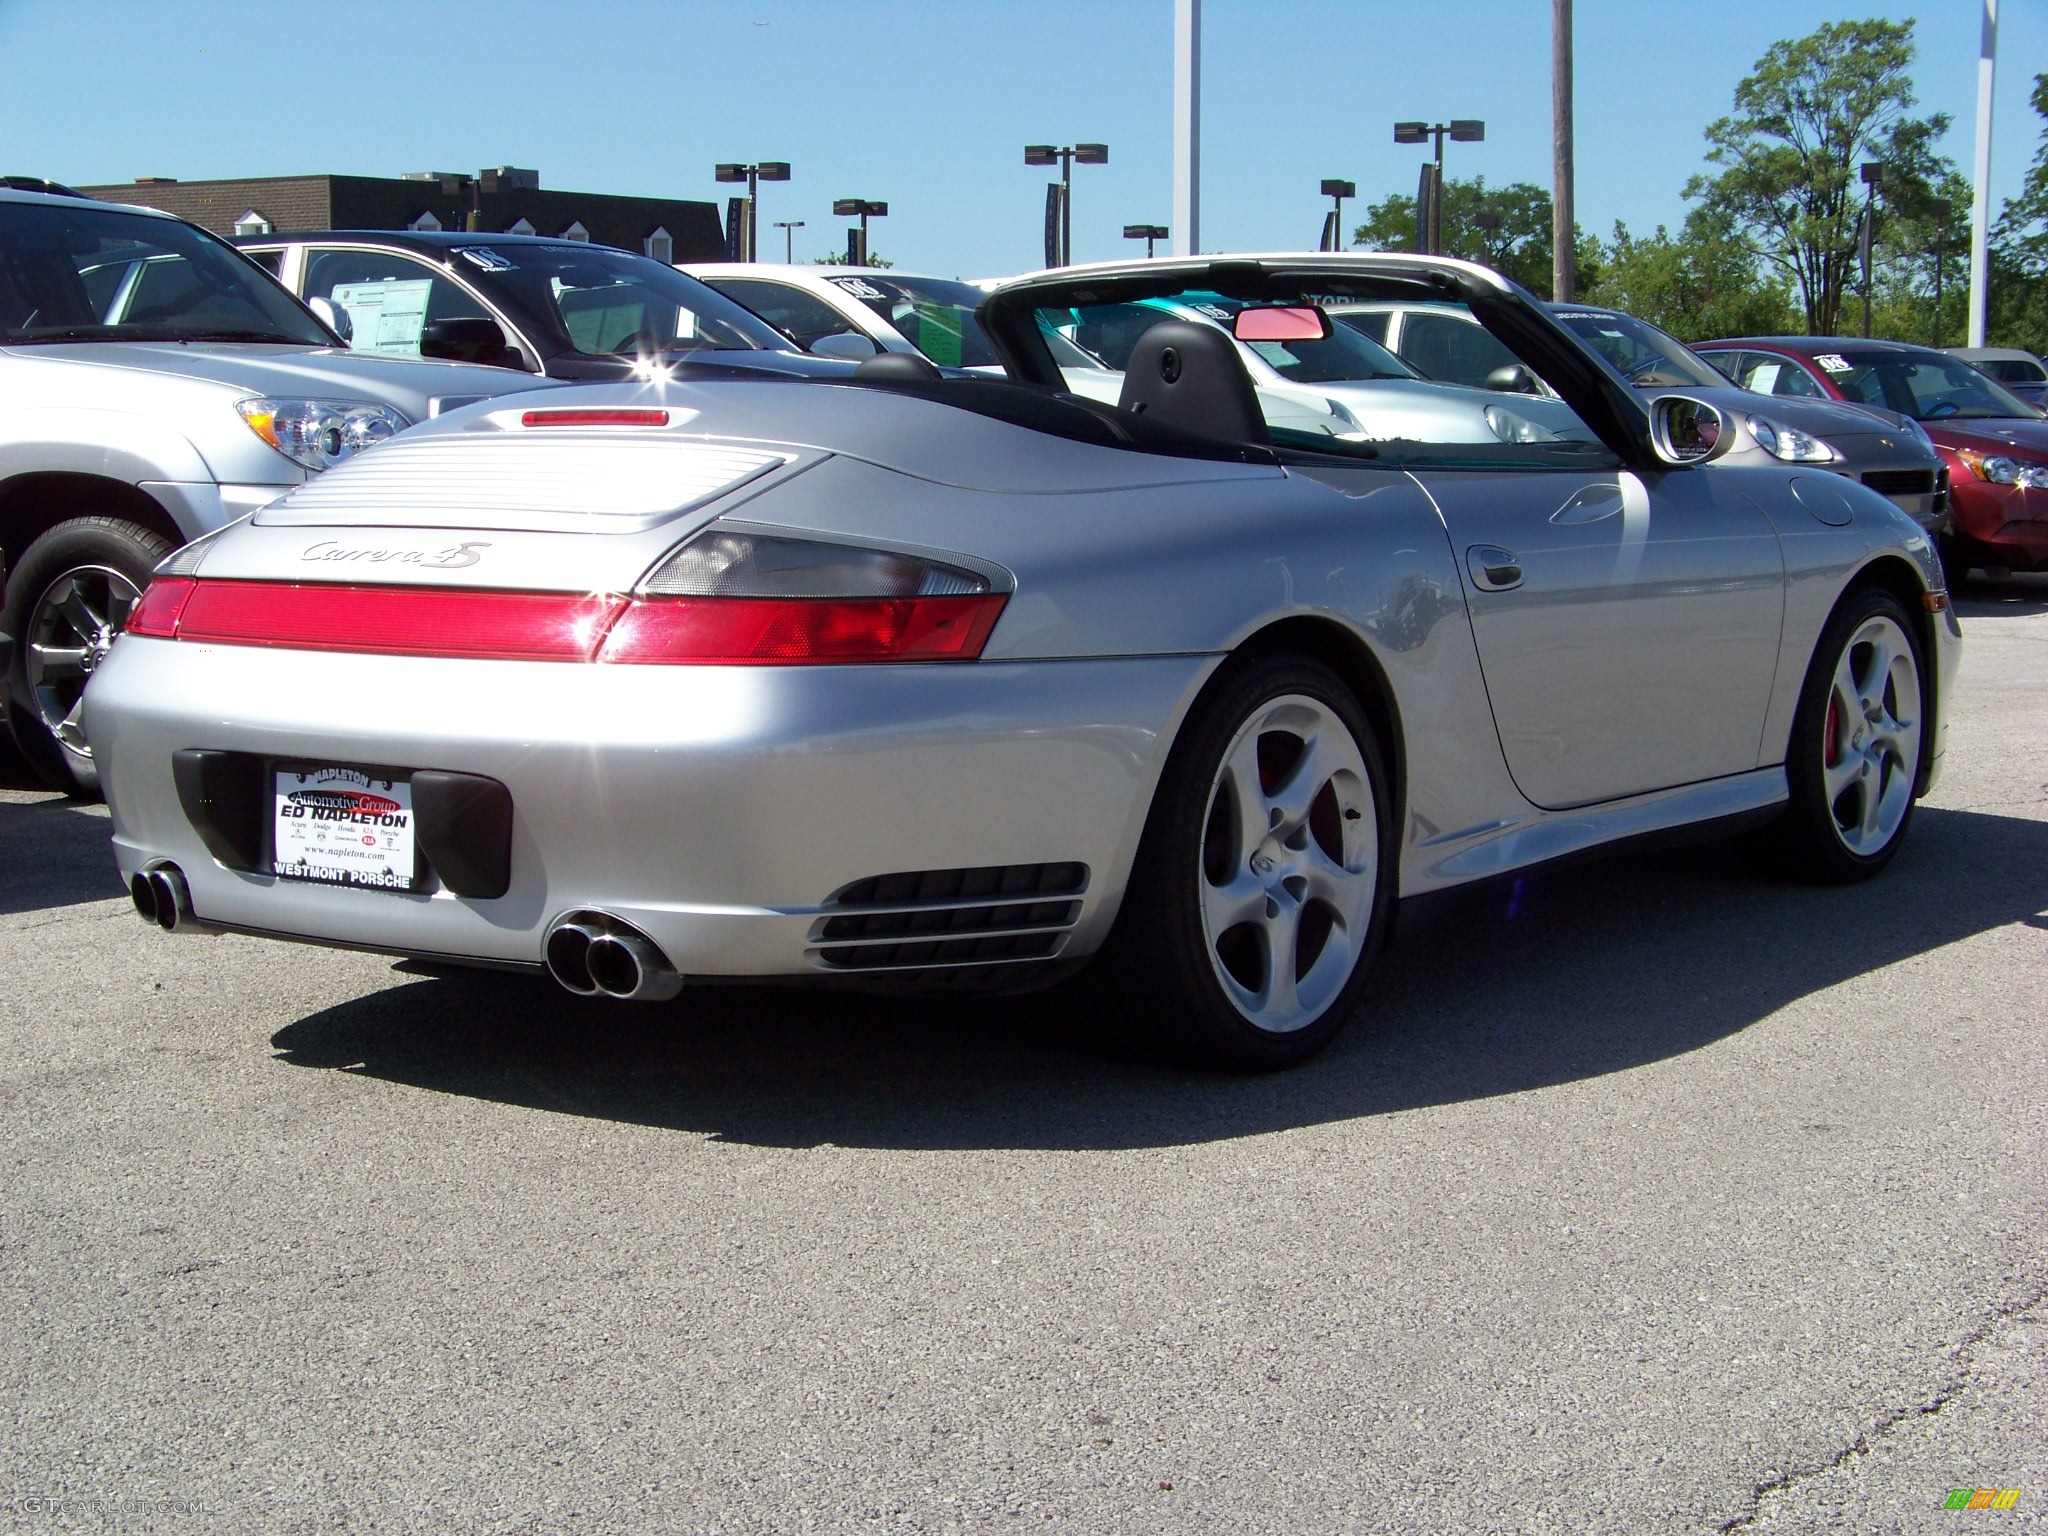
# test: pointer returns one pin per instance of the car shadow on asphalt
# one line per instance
(54, 851)
(1591, 970)
(1979, 596)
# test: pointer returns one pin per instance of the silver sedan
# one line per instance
(922, 681)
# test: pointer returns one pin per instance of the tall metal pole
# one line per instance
(1187, 127)
(1066, 207)
(1436, 203)
(1564, 273)
(1980, 198)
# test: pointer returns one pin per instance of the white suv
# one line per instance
(155, 385)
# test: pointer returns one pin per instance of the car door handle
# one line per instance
(1493, 569)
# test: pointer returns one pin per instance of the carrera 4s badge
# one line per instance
(453, 558)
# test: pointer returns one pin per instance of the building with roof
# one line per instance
(504, 199)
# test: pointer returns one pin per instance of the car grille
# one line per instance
(1900, 482)
(949, 918)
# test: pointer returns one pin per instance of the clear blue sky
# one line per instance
(928, 103)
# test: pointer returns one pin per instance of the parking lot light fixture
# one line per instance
(753, 176)
(1460, 130)
(788, 226)
(1333, 225)
(1147, 233)
(1866, 234)
(1064, 156)
(857, 240)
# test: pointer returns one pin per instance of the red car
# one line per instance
(1994, 443)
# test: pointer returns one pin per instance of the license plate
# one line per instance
(343, 826)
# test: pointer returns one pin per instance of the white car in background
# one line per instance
(857, 312)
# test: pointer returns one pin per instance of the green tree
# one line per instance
(1811, 113)
(1514, 240)
(1701, 283)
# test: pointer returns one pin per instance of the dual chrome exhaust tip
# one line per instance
(594, 954)
(161, 897)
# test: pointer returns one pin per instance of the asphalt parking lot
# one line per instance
(1650, 1196)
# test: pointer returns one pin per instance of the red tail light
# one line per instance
(562, 626)
(399, 621)
(803, 629)
(162, 601)
(592, 416)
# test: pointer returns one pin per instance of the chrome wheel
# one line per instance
(70, 629)
(1289, 863)
(1870, 740)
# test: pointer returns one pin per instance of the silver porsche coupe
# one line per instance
(916, 681)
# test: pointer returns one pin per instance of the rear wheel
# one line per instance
(1261, 888)
(1855, 750)
(66, 600)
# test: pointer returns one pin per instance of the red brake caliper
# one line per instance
(1831, 744)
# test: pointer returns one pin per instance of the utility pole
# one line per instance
(1187, 126)
(1980, 197)
(1564, 267)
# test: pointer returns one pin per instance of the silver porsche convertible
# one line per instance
(920, 681)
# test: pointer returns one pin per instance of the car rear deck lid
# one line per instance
(544, 481)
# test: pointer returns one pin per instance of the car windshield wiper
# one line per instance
(60, 333)
(274, 336)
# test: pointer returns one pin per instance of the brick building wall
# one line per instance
(295, 203)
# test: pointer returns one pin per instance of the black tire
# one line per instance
(1810, 841)
(1165, 976)
(95, 553)
(1955, 560)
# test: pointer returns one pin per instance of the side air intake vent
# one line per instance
(950, 918)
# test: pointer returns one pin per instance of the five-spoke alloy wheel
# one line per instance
(1263, 882)
(66, 601)
(1857, 742)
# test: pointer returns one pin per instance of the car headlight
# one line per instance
(320, 433)
(1511, 427)
(1789, 443)
(2000, 470)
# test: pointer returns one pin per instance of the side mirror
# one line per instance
(334, 317)
(847, 344)
(1685, 432)
(1513, 379)
(471, 339)
(1281, 322)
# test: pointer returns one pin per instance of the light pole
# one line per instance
(787, 226)
(1429, 205)
(1941, 208)
(1147, 233)
(1059, 210)
(753, 176)
(1866, 238)
(1488, 225)
(862, 209)
(1333, 222)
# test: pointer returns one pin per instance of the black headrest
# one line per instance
(1189, 377)
(898, 365)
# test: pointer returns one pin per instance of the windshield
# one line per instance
(1643, 355)
(2013, 370)
(80, 272)
(1923, 385)
(1110, 331)
(615, 303)
(933, 315)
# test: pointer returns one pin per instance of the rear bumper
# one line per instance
(717, 809)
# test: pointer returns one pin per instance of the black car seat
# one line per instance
(1189, 377)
